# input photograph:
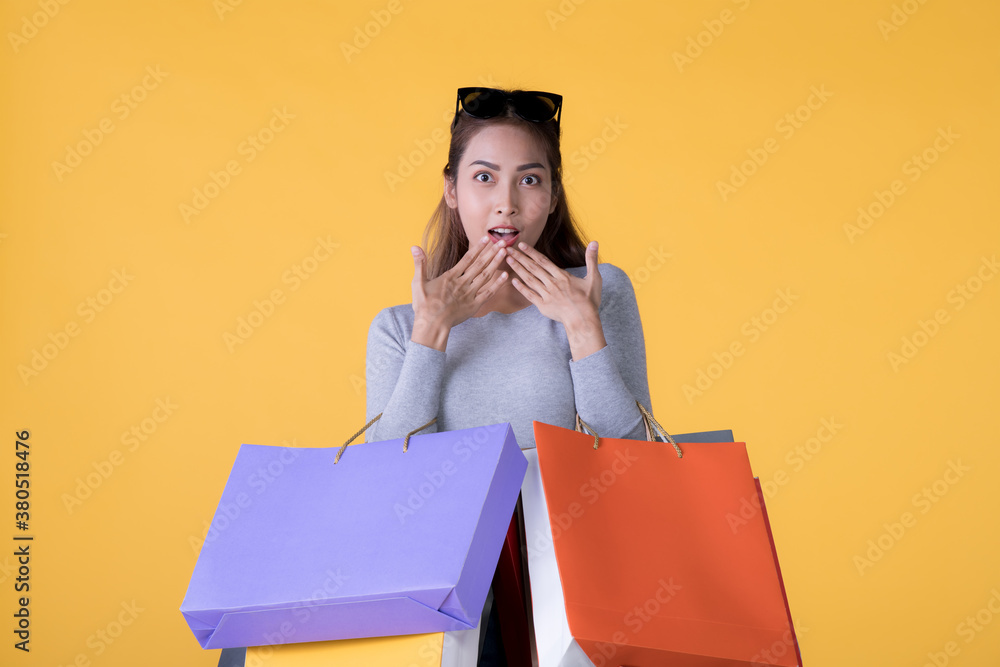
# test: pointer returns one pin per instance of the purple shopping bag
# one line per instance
(384, 542)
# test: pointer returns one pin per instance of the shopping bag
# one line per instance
(509, 595)
(554, 641)
(652, 567)
(383, 542)
(439, 649)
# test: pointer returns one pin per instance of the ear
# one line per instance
(450, 196)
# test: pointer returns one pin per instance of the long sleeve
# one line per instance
(514, 367)
(402, 380)
(607, 383)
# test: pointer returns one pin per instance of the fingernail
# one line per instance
(415, 250)
(522, 245)
(592, 246)
(485, 239)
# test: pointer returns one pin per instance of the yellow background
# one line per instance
(649, 189)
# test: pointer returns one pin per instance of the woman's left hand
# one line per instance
(572, 301)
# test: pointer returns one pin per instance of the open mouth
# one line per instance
(505, 234)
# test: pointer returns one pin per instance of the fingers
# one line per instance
(527, 278)
(592, 261)
(526, 291)
(537, 262)
(530, 272)
(483, 277)
(476, 270)
(476, 249)
(490, 288)
(593, 274)
(418, 264)
(482, 269)
(486, 260)
(497, 258)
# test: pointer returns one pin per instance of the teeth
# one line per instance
(503, 232)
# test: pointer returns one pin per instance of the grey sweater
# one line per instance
(513, 368)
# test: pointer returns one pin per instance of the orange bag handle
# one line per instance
(406, 440)
(647, 421)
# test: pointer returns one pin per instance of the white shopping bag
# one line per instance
(553, 640)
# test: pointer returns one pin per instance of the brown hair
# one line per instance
(561, 240)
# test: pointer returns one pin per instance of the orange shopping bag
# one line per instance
(664, 552)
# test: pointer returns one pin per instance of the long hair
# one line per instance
(561, 240)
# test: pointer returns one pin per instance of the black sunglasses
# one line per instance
(535, 106)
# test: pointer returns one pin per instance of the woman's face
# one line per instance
(503, 187)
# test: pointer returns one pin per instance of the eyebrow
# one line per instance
(530, 165)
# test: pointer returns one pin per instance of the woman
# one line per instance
(512, 318)
(497, 332)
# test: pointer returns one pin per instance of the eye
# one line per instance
(483, 173)
(531, 179)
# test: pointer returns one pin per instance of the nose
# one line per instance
(506, 204)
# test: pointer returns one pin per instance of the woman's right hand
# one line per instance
(455, 295)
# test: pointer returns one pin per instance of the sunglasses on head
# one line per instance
(534, 106)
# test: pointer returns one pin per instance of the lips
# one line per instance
(504, 233)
